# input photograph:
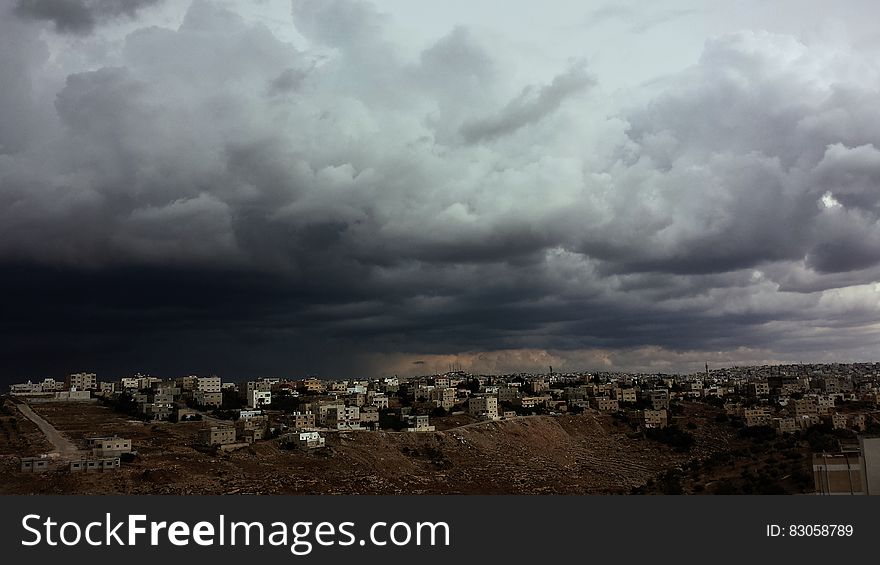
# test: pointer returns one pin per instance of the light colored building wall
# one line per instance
(82, 381)
(217, 435)
(111, 446)
(484, 407)
(870, 448)
(626, 395)
(208, 384)
(203, 398)
(259, 398)
(34, 464)
(838, 473)
(655, 418)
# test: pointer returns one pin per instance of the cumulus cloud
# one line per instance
(220, 199)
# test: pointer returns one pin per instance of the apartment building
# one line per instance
(538, 386)
(251, 429)
(312, 385)
(606, 404)
(419, 424)
(824, 404)
(806, 406)
(208, 399)
(654, 418)
(324, 410)
(443, 397)
(757, 416)
(508, 394)
(369, 415)
(187, 383)
(258, 398)
(302, 420)
(483, 407)
(532, 401)
(358, 399)
(342, 417)
(573, 393)
(849, 421)
(422, 393)
(808, 421)
(130, 383)
(626, 395)
(785, 425)
(51, 385)
(208, 384)
(81, 381)
(659, 399)
(830, 385)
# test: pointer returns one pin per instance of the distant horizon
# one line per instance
(238, 379)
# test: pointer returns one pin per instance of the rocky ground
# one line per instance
(591, 453)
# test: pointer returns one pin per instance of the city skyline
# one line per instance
(348, 188)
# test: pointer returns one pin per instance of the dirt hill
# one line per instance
(585, 454)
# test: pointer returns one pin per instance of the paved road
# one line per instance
(63, 446)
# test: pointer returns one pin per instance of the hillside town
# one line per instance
(300, 414)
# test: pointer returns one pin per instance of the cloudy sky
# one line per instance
(353, 187)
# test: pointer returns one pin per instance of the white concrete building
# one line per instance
(81, 381)
(419, 424)
(483, 407)
(259, 398)
(310, 440)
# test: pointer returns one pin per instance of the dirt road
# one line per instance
(63, 446)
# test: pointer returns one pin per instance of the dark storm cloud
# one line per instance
(219, 200)
(79, 16)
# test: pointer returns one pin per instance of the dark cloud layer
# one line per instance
(79, 16)
(219, 200)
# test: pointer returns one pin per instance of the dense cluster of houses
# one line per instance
(298, 411)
